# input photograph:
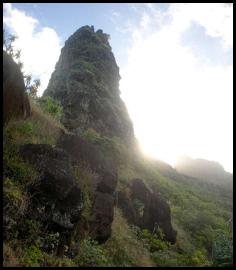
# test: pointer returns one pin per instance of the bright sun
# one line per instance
(178, 105)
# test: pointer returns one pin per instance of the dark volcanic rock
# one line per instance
(146, 209)
(86, 82)
(54, 166)
(158, 213)
(126, 205)
(140, 190)
(15, 99)
(83, 152)
(56, 193)
(103, 211)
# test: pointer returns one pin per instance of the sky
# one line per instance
(176, 67)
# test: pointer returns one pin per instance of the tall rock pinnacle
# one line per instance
(86, 82)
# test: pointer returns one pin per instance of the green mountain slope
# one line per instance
(78, 192)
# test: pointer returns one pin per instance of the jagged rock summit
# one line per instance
(86, 82)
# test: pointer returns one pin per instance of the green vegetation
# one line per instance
(222, 252)
(153, 242)
(199, 215)
(113, 148)
(51, 106)
(91, 254)
(201, 212)
(41, 127)
(92, 135)
(124, 247)
(198, 210)
(87, 181)
(32, 257)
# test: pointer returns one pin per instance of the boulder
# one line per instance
(146, 209)
(83, 152)
(124, 203)
(102, 217)
(140, 191)
(158, 213)
(57, 196)
(56, 175)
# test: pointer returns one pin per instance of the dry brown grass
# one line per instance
(10, 257)
(40, 127)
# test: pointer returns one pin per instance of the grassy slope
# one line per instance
(198, 210)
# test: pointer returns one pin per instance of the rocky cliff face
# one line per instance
(86, 82)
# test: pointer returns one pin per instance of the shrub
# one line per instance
(222, 253)
(12, 192)
(91, 254)
(26, 128)
(33, 257)
(49, 241)
(92, 135)
(51, 106)
(120, 255)
(170, 258)
(87, 181)
(15, 168)
(153, 242)
(32, 229)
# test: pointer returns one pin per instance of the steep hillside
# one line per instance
(204, 169)
(78, 192)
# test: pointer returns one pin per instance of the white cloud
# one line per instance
(216, 18)
(40, 49)
(116, 14)
(178, 104)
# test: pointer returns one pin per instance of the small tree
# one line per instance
(8, 40)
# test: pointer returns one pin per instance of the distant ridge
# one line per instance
(203, 169)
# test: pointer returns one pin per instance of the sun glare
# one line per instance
(178, 104)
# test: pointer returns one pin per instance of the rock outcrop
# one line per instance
(57, 196)
(86, 82)
(146, 209)
(82, 152)
(15, 100)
